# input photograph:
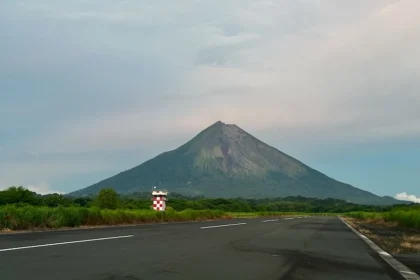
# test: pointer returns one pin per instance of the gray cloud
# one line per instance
(90, 76)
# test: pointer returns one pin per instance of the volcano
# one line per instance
(226, 161)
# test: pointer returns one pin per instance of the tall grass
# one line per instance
(406, 218)
(403, 217)
(13, 217)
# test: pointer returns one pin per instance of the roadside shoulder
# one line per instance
(406, 272)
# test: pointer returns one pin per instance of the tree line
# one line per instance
(109, 199)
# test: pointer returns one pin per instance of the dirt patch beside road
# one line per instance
(393, 239)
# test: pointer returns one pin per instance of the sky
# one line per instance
(91, 88)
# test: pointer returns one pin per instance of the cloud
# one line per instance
(343, 70)
(42, 172)
(42, 188)
(124, 75)
(407, 197)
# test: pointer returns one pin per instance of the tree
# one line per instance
(55, 199)
(83, 201)
(18, 195)
(107, 199)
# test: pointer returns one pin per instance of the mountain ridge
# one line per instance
(223, 160)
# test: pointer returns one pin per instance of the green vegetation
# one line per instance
(266, 206)
(107, 199)
(13, 217)
(22, 209)
(405, 216)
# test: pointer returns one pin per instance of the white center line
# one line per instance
(407, 272)
(64, 243)
(267, 221)
(228, 225)
(289, 218)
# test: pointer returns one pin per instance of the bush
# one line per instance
(107, 199)
(18, 195)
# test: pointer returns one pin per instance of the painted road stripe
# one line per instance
(289, 218)
(407, 272)
(64, 243)
(267, 221)
(397, 265)
(228, 225)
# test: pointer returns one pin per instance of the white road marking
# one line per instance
(267, 221)
(64, 243)
(299, 217)
(407, 272)
(289, 218)
(228, 225)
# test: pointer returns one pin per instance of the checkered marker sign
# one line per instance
(159, 200)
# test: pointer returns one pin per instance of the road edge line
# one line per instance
(402, 269)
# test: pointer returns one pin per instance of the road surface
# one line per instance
(299, 248)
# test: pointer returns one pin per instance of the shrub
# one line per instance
(107, 199)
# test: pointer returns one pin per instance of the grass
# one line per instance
(409, 218)
(406, 218)
(14, 217)
(30, 217)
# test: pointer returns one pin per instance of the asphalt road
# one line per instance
(306, 248)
